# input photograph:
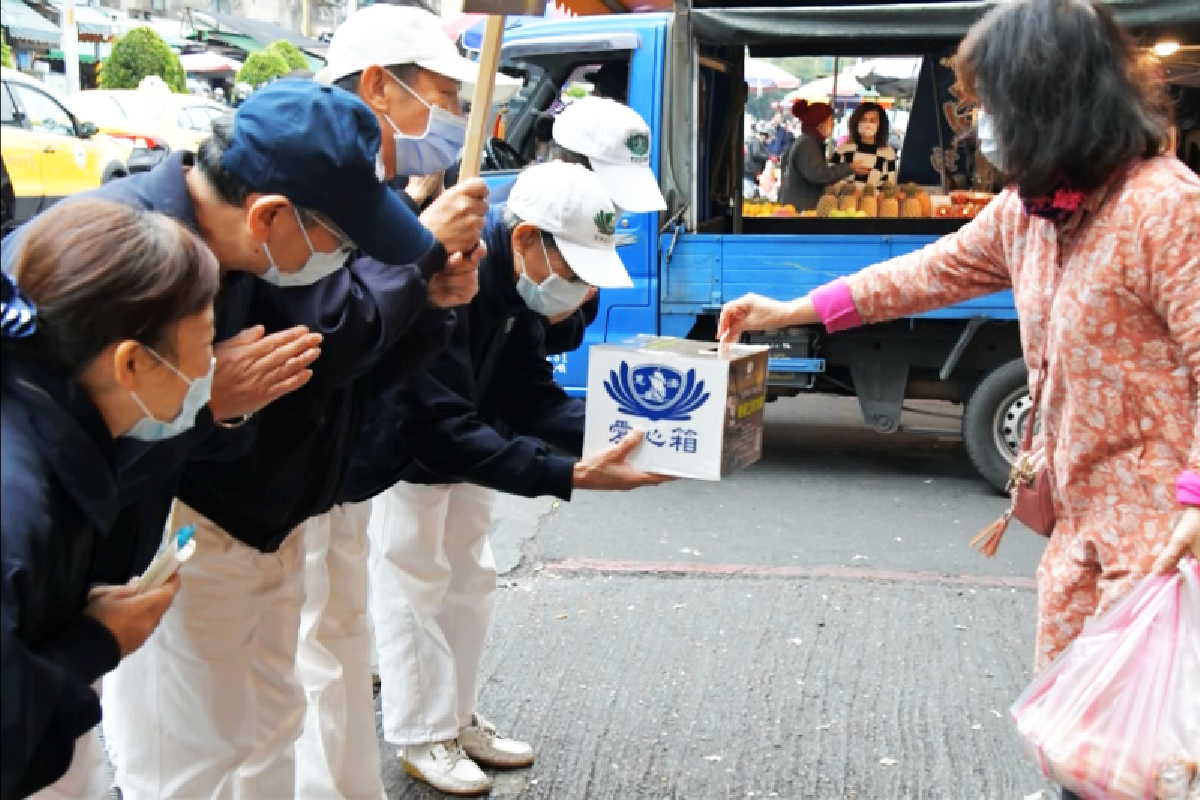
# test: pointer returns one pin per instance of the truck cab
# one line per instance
(684, 73)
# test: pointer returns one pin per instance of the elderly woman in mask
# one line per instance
(1097, 238)
(106, 327)
(806, 172)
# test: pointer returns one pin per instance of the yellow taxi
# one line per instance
(47, 152)
(152, 118)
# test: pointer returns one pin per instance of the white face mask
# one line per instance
(318, 266)
(435, 150)
(151, 429)
(867, 130)
(552, 297)
(988, 145)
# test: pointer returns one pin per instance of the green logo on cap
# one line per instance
(606, 222)
(638, 144)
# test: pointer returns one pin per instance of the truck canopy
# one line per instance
(777, 27)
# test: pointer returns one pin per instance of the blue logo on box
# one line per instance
(655, 392)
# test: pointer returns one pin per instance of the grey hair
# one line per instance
(405, 73)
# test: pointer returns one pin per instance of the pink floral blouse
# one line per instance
(1121, 422)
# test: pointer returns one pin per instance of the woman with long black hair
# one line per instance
(1098, 238)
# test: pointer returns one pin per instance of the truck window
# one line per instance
(551, 82)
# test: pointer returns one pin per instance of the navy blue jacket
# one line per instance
(439, 425)
(300, 442)
(59, 495)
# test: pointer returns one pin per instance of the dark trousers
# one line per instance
(1067, 794)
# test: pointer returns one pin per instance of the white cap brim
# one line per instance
(600, 267)
(466, 72)
(631, 187)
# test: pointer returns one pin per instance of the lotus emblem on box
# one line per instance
(655, 392)
(664, 387)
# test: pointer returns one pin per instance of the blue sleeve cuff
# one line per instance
(559, 477)
(85, 648)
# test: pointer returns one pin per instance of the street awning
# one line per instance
(260, 32)
(86, 54)
(94, 22)
(22, 23)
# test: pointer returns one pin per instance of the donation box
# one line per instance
(701, 410)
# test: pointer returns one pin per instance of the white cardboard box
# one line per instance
(701, 411)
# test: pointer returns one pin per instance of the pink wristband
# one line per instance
(835, 306)
(1187, 488)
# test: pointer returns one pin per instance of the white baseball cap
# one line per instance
(385, 35)
(616, 141)
(570, 203)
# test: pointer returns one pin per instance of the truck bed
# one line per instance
(705, 270)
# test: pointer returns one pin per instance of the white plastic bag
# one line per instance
(1117, 715)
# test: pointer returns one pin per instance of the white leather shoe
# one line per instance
(445, 767)
(483, 744)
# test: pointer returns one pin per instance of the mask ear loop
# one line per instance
(312, 251)
(188, 381)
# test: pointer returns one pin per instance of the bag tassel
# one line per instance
(988, 540)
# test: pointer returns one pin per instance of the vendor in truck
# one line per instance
(868, 148)
(806, 172)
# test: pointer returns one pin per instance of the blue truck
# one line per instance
(685, 77)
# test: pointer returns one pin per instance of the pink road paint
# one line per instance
(763, 571)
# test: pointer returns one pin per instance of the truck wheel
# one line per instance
(994, 421)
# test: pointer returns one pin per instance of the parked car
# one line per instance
(47, 152)
(155, 121)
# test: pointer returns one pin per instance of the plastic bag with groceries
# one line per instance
(1118, 714)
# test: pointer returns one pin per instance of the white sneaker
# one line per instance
(489, 748)
(445, 767)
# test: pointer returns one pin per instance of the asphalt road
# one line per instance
(815, 627)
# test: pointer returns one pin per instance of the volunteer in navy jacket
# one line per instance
(431, 573)
(309, 153)
(398, 61)
(106, 332)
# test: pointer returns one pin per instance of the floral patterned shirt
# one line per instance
(1117, 318)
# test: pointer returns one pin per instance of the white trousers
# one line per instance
(210, 706)
(433, 587)
(337, 757)
(87, 777)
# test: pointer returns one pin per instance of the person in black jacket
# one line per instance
(290, 183)
(107, 332)
(806, 171)
(432, 579)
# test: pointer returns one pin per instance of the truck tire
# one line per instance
(995, 419)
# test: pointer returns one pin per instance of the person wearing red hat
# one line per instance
(806, 171)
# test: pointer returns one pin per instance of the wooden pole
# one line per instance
(481, 100)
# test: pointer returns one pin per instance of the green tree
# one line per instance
(6, 56)
(290, 54)
(261, 67)
(140, 53)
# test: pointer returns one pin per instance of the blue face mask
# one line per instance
(149, 429)
(437, 149)
(318, 266)
(554, 295)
